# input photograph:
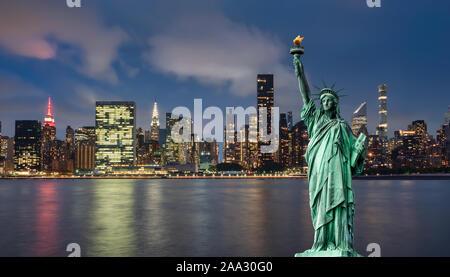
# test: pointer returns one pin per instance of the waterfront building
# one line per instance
(374, 155)
(252, 145)
(299, 145)
(284, 145)
(208, 152)
(115, 145)
(85, 149)
(414, 147)
(443, 144)
(171, 148)
(27, 146)
(7, 153)
(229, 144)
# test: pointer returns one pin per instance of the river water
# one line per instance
(212, 217)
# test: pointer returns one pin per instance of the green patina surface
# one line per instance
(333, 155)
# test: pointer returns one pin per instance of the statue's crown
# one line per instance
(328, 90)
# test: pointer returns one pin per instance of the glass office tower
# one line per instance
(27, 146)
(115, 128)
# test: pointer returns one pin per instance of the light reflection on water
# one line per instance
(245, 217)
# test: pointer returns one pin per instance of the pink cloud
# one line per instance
(35, 48)
(26, 26)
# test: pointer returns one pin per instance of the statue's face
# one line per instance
(328, 103)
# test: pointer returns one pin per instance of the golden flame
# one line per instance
(298, 40)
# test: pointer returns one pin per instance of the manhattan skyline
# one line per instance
(151, 50)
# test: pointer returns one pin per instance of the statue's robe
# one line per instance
(329, 156)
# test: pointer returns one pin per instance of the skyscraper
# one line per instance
(284, 149)
(265, 98)
(299, 145)
(359, 119)
(252, 151)
(27, 146)
(382, 128)
(374, 158)
(443, 141)
(229, 147)
(69, 150)
(85, 148)
(170, 147)
(155, 123)
(115, 145)
(49, 129)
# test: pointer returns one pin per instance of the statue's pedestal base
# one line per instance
(328, 253)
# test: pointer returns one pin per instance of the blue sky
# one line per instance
(175, 51)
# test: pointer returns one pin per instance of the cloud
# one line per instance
(36, 29)
(216, 51)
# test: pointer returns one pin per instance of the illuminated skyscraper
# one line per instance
(374, 157)
(284, 149)
(115, 145)
(443, 141)
(382, 128)
(359, 119)
(49, 129)
(265, 98)
(49, 117)
(229, 147)
(299, 145)
(27, 146)
(155, 123)
(171, 148)
(252, 144)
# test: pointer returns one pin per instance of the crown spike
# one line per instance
(316, 87)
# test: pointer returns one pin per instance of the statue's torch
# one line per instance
(297, 49)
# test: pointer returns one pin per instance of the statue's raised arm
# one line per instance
(302, 82)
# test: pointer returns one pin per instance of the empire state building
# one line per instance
(49, 129)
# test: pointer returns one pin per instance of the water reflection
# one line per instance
(212, 217)
(47, 219)
(111, 220)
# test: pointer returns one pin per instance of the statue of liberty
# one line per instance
(333, 156)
